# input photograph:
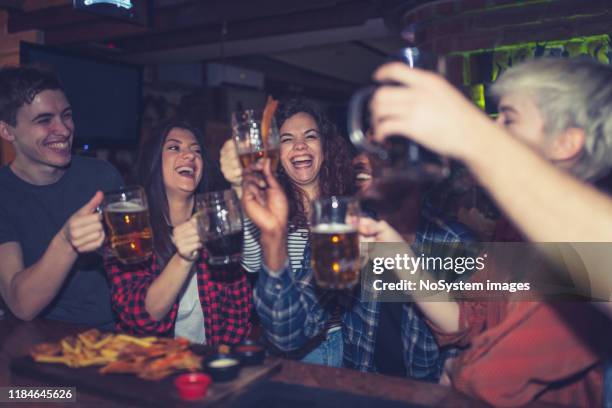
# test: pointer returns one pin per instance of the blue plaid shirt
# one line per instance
(293, 310)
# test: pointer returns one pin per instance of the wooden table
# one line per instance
(17, 337)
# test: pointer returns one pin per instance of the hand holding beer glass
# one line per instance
(335, 242)
(219, 219)
(126, 214)
(256, 136)
(397, 159)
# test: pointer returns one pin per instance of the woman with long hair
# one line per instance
(176, 291)
(314, 163)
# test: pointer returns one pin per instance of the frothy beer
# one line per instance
(130, 232)
(248, 159)
(335, 255)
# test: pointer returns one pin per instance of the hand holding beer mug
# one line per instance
(230, 163)
(186, 239)
(397, 159)
(219, 220)
(256, 136)
(335, 242)
(126, 214)
(84, 230)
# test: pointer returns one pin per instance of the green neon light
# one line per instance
(477, 95)
(597, 46)
(533, 44)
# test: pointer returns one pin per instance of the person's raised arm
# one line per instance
(547, 204)
(164, 290)
(265, 203)
(230, 166)
(289, 309)
(443, 311)
(27, 291)
(144, 297)
(531, 191)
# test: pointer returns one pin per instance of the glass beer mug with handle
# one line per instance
(126, 215)
(397, 159)
(335, 242)
(219, 220)
(256, 137)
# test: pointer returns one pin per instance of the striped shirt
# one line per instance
(251, 252)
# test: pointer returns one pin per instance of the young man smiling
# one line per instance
(48, 224)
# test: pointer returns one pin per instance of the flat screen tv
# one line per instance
(105, 96)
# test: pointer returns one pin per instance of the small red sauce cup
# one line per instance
(192, 386)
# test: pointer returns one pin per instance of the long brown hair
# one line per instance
(150, 176)
(336, 173)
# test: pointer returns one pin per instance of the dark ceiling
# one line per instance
(330, 45)
(318, 47)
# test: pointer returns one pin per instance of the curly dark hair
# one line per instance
(336, 173)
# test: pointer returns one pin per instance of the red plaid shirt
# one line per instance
(225, 295)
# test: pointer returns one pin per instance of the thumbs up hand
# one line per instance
(84, 230)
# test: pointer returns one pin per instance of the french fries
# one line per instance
(150, 357)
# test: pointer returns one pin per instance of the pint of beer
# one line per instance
(335, 242)
(255, 140)
(250, 158)
(220, 226)
(126, 215)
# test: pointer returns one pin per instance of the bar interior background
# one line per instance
(203, 59)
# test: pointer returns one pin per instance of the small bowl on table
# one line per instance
(192, 386)
(250, 353)
(222, 367)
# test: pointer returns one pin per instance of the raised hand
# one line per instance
(264, 200)
(230, 163)
(377, 231)
(425, 108)
(84, 230)
(187, 240)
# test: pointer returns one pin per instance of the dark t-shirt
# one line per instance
(31, 215)
(388, 348)
(434, 238)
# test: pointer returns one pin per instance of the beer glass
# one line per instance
(256, 137)
(397, 159)
(335, 242)
(126, 215)
(219, 220)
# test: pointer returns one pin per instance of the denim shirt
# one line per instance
(293, 309)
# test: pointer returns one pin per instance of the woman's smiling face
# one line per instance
(301, 153)
(181, 161)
